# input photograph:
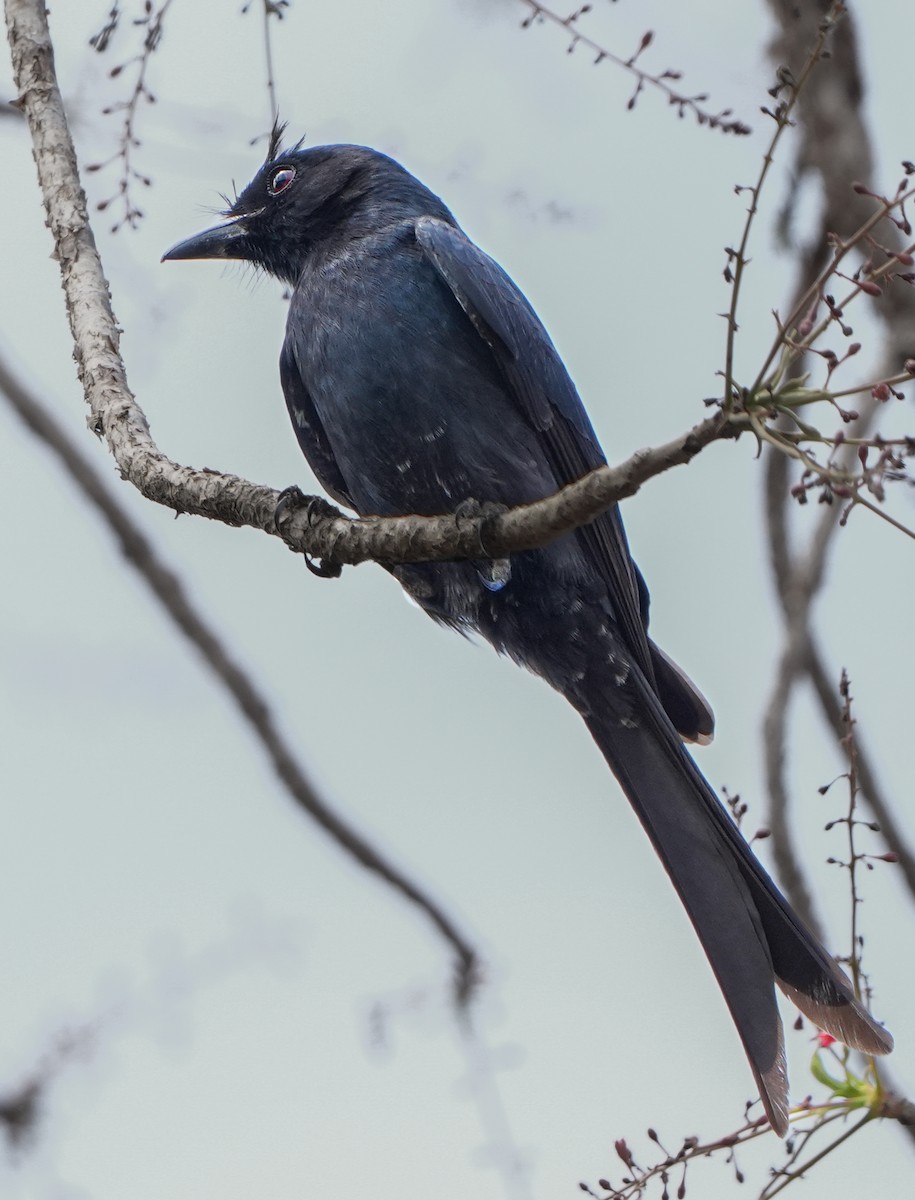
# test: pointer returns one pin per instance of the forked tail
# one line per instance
(751, 935)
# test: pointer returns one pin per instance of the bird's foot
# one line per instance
(291, 500)
(493, 573)
(474, 510)
(322, 568)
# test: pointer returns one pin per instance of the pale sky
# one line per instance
(159, 884)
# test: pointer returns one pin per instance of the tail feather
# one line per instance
(749, 932)
(809, 976)
(752, 937)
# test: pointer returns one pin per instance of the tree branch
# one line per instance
(868, 782)
(836, 146)
(318, 530)
(248, 698)
(788, 862)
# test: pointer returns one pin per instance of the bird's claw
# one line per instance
(474, 510)
(323, 569)
(291, 500)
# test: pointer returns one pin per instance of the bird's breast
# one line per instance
(410, 397)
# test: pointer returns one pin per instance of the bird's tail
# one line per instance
(749, 932)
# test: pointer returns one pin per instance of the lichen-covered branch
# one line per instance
(318, 530)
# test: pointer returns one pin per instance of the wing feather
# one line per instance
(546, 396)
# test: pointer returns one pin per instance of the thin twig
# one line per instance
(782, 117)
(769, 1192)
(153, 22)
(662, 81)
(871, 789)
(854, 241)
(270, 9)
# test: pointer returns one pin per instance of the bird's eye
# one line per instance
(280, 180)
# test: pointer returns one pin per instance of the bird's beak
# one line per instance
(222, 241)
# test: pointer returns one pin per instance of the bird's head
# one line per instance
(303, 198)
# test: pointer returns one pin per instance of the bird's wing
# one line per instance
(308, 428)
(545, 394)
(540, 386)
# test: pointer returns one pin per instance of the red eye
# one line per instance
(280, 180)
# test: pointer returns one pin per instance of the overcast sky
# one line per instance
(160, 887)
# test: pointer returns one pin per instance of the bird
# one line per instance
(419, 379)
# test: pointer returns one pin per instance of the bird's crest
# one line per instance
(276, 139)
(275, 142)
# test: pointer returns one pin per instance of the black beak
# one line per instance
(222, 241)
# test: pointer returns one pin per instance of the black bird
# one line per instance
(419, 379)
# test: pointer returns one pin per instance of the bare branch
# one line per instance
(839, 150)
(782, 115)
(871, 788)
(662, 81)
(248, 698)
(835, 145)
(788, 862)
(270, 8)
(22, 1104)
(320, 530)
(152, 24)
